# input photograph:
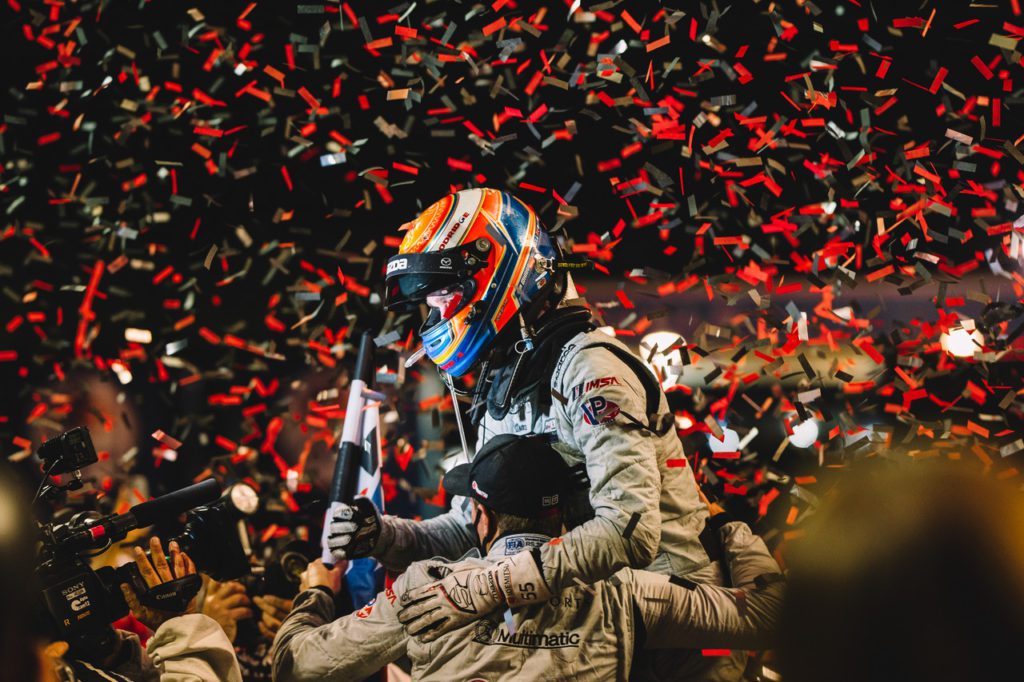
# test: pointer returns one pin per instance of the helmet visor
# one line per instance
(444, 303)
(409, 290)
(411, 276)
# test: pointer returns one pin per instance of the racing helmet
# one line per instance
(477, 259)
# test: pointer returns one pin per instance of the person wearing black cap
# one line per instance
(517, 487)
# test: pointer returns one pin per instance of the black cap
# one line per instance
(519, 475)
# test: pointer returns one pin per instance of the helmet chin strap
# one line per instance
(447, 379)
(525, 344)
(551, 295)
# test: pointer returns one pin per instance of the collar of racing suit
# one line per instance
(527, 374)
(515, 543)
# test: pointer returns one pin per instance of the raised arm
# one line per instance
(404, 541)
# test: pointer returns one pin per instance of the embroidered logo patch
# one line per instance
(514, 546)
(591, 384)
(599, 410)
(366, 610)
(476, 488)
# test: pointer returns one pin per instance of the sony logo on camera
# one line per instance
(76, 596)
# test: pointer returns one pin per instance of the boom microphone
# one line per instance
(173, 504)
(96, 533)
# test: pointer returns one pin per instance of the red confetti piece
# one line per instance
(660, 42)
(982, 67)
(494, 26)
(170, 442)
(630, 21)
(379, 43)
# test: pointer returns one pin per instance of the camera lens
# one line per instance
(293, 563)
(212, 541)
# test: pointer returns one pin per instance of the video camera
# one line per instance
(83, 602)
(281, 523)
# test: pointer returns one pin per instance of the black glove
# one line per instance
(354, 529)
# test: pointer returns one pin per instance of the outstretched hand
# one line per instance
(227, 603)
(273, 612)
(156, 571)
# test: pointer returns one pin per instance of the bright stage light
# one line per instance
(804, 434)
(961, 342)
(654, 351)
(730, 441)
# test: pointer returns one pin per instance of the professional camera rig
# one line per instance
(83, 602)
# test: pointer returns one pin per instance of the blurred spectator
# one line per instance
(908, 575)
(227, 603)
(21, 635)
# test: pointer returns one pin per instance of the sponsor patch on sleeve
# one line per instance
(598, 410)
(366, 610)
(592, 384)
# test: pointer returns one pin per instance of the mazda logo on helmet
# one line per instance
(446, 262)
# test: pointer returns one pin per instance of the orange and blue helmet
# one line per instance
(476, 258)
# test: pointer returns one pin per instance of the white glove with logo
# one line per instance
(356, 530)
(470, 592)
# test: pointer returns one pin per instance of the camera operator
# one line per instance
(185, 646)
(592, 632)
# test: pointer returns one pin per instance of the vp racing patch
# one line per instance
(599, 410)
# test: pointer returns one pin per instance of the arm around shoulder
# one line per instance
(679, 613)
(622, 465)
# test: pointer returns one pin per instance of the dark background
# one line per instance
(65, 127)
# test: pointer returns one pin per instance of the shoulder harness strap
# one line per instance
(657, 423)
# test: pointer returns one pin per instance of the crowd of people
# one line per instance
(576, 544)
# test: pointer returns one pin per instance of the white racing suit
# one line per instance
(644, 496)
(647, 512)
(584, 633)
